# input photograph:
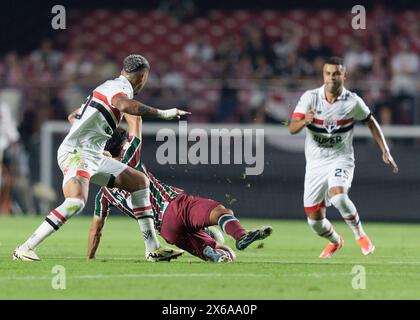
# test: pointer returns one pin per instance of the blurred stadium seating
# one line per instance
(225, 65)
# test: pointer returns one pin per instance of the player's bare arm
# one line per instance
(137, 108)
(95, 234)
(297, 124)
(377, 134)
(134, 125)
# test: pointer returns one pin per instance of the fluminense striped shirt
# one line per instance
(160, 193)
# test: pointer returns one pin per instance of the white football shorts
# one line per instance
(94, 166)
(320, 178)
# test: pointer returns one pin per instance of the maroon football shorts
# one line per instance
(184, 221)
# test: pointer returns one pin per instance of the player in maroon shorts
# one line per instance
(180, 218)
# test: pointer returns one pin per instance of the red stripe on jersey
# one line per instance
(103, 98)
(116, 95)
(59, 216)
(159, 187)
(104, 205)
(111, 199)
(339, 122)
(318, 121)
(344, 121)
(298, 115)
(135, 159)
(82, 173)
(315, 207)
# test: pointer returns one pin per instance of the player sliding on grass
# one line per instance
(180, 218)
(81, 160)
(329, 113)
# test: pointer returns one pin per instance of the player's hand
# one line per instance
(309, 117)
(388, 159)
(173, 113)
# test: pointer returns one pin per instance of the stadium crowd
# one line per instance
(246, 77)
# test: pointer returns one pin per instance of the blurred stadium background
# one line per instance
(228, 62)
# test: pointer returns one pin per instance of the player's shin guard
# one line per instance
(142, 210)
(349, 213)
(324, 229)
(231, 225)
(55, 219)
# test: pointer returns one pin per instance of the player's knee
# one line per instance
(219, 211)
(73, 206)
(316, 214)
(132, 181)
(223, 210)
(142, 182)
(341, 201)
(77, 187)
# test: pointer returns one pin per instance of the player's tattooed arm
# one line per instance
(72, 116)
(137, 108)
(95, 234)
(379, 137)
(134, 125)
(297, 124)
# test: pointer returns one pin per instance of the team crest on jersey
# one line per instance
(108, 130)
(330, 125)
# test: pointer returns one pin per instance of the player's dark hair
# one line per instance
(116, 142)
(335, 60)
(135, 63)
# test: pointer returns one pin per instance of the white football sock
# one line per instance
(149, 234)
(349, 213)
(143, 211)
(55, 219)
(324, 229)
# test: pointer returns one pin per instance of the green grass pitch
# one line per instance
(285, 267)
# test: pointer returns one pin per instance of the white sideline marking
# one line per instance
(146, 275)
(198, 275)
(315, 261)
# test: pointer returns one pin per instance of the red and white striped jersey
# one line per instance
(98, 118)
(331, 133)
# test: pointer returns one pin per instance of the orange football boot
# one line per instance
(366, 245)
(332, 248)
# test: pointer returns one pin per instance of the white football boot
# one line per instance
(25, 254)
(163, 254)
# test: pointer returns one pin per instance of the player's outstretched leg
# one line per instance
(349, 213)
(54, 220)
(231, 226)
(324, 229)
(76, 193)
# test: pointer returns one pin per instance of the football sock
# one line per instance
(230, 225)
(142, 209)
(54, 220)
(349, 213)
(149, 234)
(324, 229)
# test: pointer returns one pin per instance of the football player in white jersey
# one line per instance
(81, 159)
(328, 114)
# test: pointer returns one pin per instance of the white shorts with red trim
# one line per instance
(322, 177)
(96, 167)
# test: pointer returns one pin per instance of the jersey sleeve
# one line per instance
(102, 205)
(303, 106)
(131, 154)
(361, 110)
(111, 89)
